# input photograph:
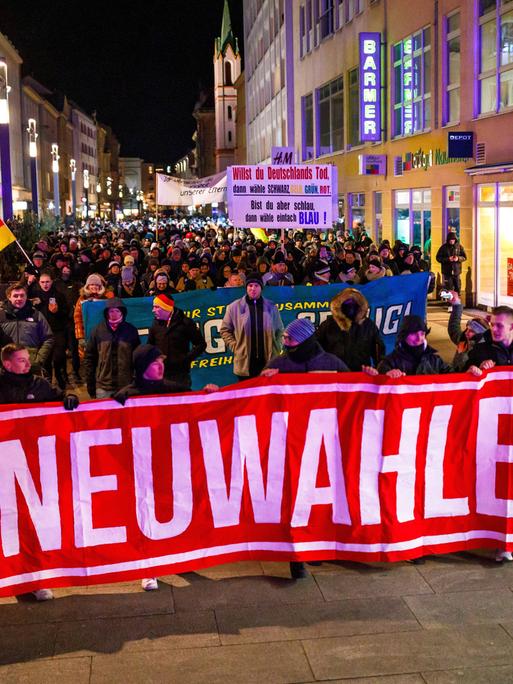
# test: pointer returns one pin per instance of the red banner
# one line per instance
(304, 467)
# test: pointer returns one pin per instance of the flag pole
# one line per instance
(25, 253)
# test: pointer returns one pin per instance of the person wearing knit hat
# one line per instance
(302, 354)
(149, 369)
(191, 280)
(129, 285)
(278, 275)
(476, 332)
(252, 329)
(178, 338)
(93, 290)
(412, 354)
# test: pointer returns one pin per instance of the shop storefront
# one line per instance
(412, 218)
(494, 243)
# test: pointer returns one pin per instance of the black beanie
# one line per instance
(143, 356)
(254, 278)
(411, 324)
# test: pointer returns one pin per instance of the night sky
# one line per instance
(140, 69)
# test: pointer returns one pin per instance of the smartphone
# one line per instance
(52, 300)
(445, 295)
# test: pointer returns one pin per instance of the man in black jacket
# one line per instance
(53, 305)
(108, 357)
(178, 338)
(349, 333)
(18, 385)
(451, 255)
(23, 324)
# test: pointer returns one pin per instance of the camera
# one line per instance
(445, 295)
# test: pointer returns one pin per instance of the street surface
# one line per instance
(448, 621)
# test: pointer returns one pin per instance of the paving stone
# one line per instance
(304, 621)
(489, 675)
(204, 594)
(252, 664)
(145, 633)
(409, 652)
(460, 608)
(26, 642)
(76, 670)
(449, 574)
(366, 581)
(88, 605)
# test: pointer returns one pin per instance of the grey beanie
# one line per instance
(300, 329)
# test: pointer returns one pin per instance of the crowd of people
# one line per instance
(42, 326)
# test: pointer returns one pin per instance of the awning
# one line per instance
(488, 169)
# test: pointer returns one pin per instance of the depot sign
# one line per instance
(294, 467)
(370, 87)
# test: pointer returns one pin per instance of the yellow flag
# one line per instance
(6, 236)
(260, 234)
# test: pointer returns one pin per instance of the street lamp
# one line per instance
(31, 130)
(5, 150)
(109, 195)
(98, 192)
(86, 188)
(73, 169)
(55, 170)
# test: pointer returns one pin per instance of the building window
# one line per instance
(229, 113)
(229, 136)
(341, 13)
(330, 117)
(412, 219)
(302, 32)
(411, 80)
(227, 74)
(378, 217)
(452, 210)
(326, 18)
(354, 7)
(452, 68)
(354, 109)
(495, 79)
(356, 204)
(309, 26)
(307, 128)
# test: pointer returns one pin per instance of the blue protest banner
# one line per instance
(389, 300)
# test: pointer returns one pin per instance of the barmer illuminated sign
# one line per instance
(370, 87)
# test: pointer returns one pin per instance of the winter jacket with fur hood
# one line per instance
(358, 343)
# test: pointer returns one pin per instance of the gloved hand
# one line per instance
(70, 402)
(120, 397)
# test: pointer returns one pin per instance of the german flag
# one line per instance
(6, 236)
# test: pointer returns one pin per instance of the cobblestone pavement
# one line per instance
(448, 621)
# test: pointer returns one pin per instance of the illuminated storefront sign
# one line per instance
(424, 159)
(370, 87)
(372, 164)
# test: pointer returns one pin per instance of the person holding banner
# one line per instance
(18, 385)
(349, 333)
(252, 328)
(302, 353)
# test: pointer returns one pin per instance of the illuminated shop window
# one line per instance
(495, 78)
(412, 84)
(354, 109)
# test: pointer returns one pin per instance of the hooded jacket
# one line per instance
(457, 335)
(358, 343)
(451, 268)
(26, 388)
(429, 363)
(108, 357)
(488, 349)
(180, 341)
(28, 327)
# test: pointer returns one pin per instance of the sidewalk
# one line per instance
(448, 621)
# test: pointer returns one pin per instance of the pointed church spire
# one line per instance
(227, 37)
